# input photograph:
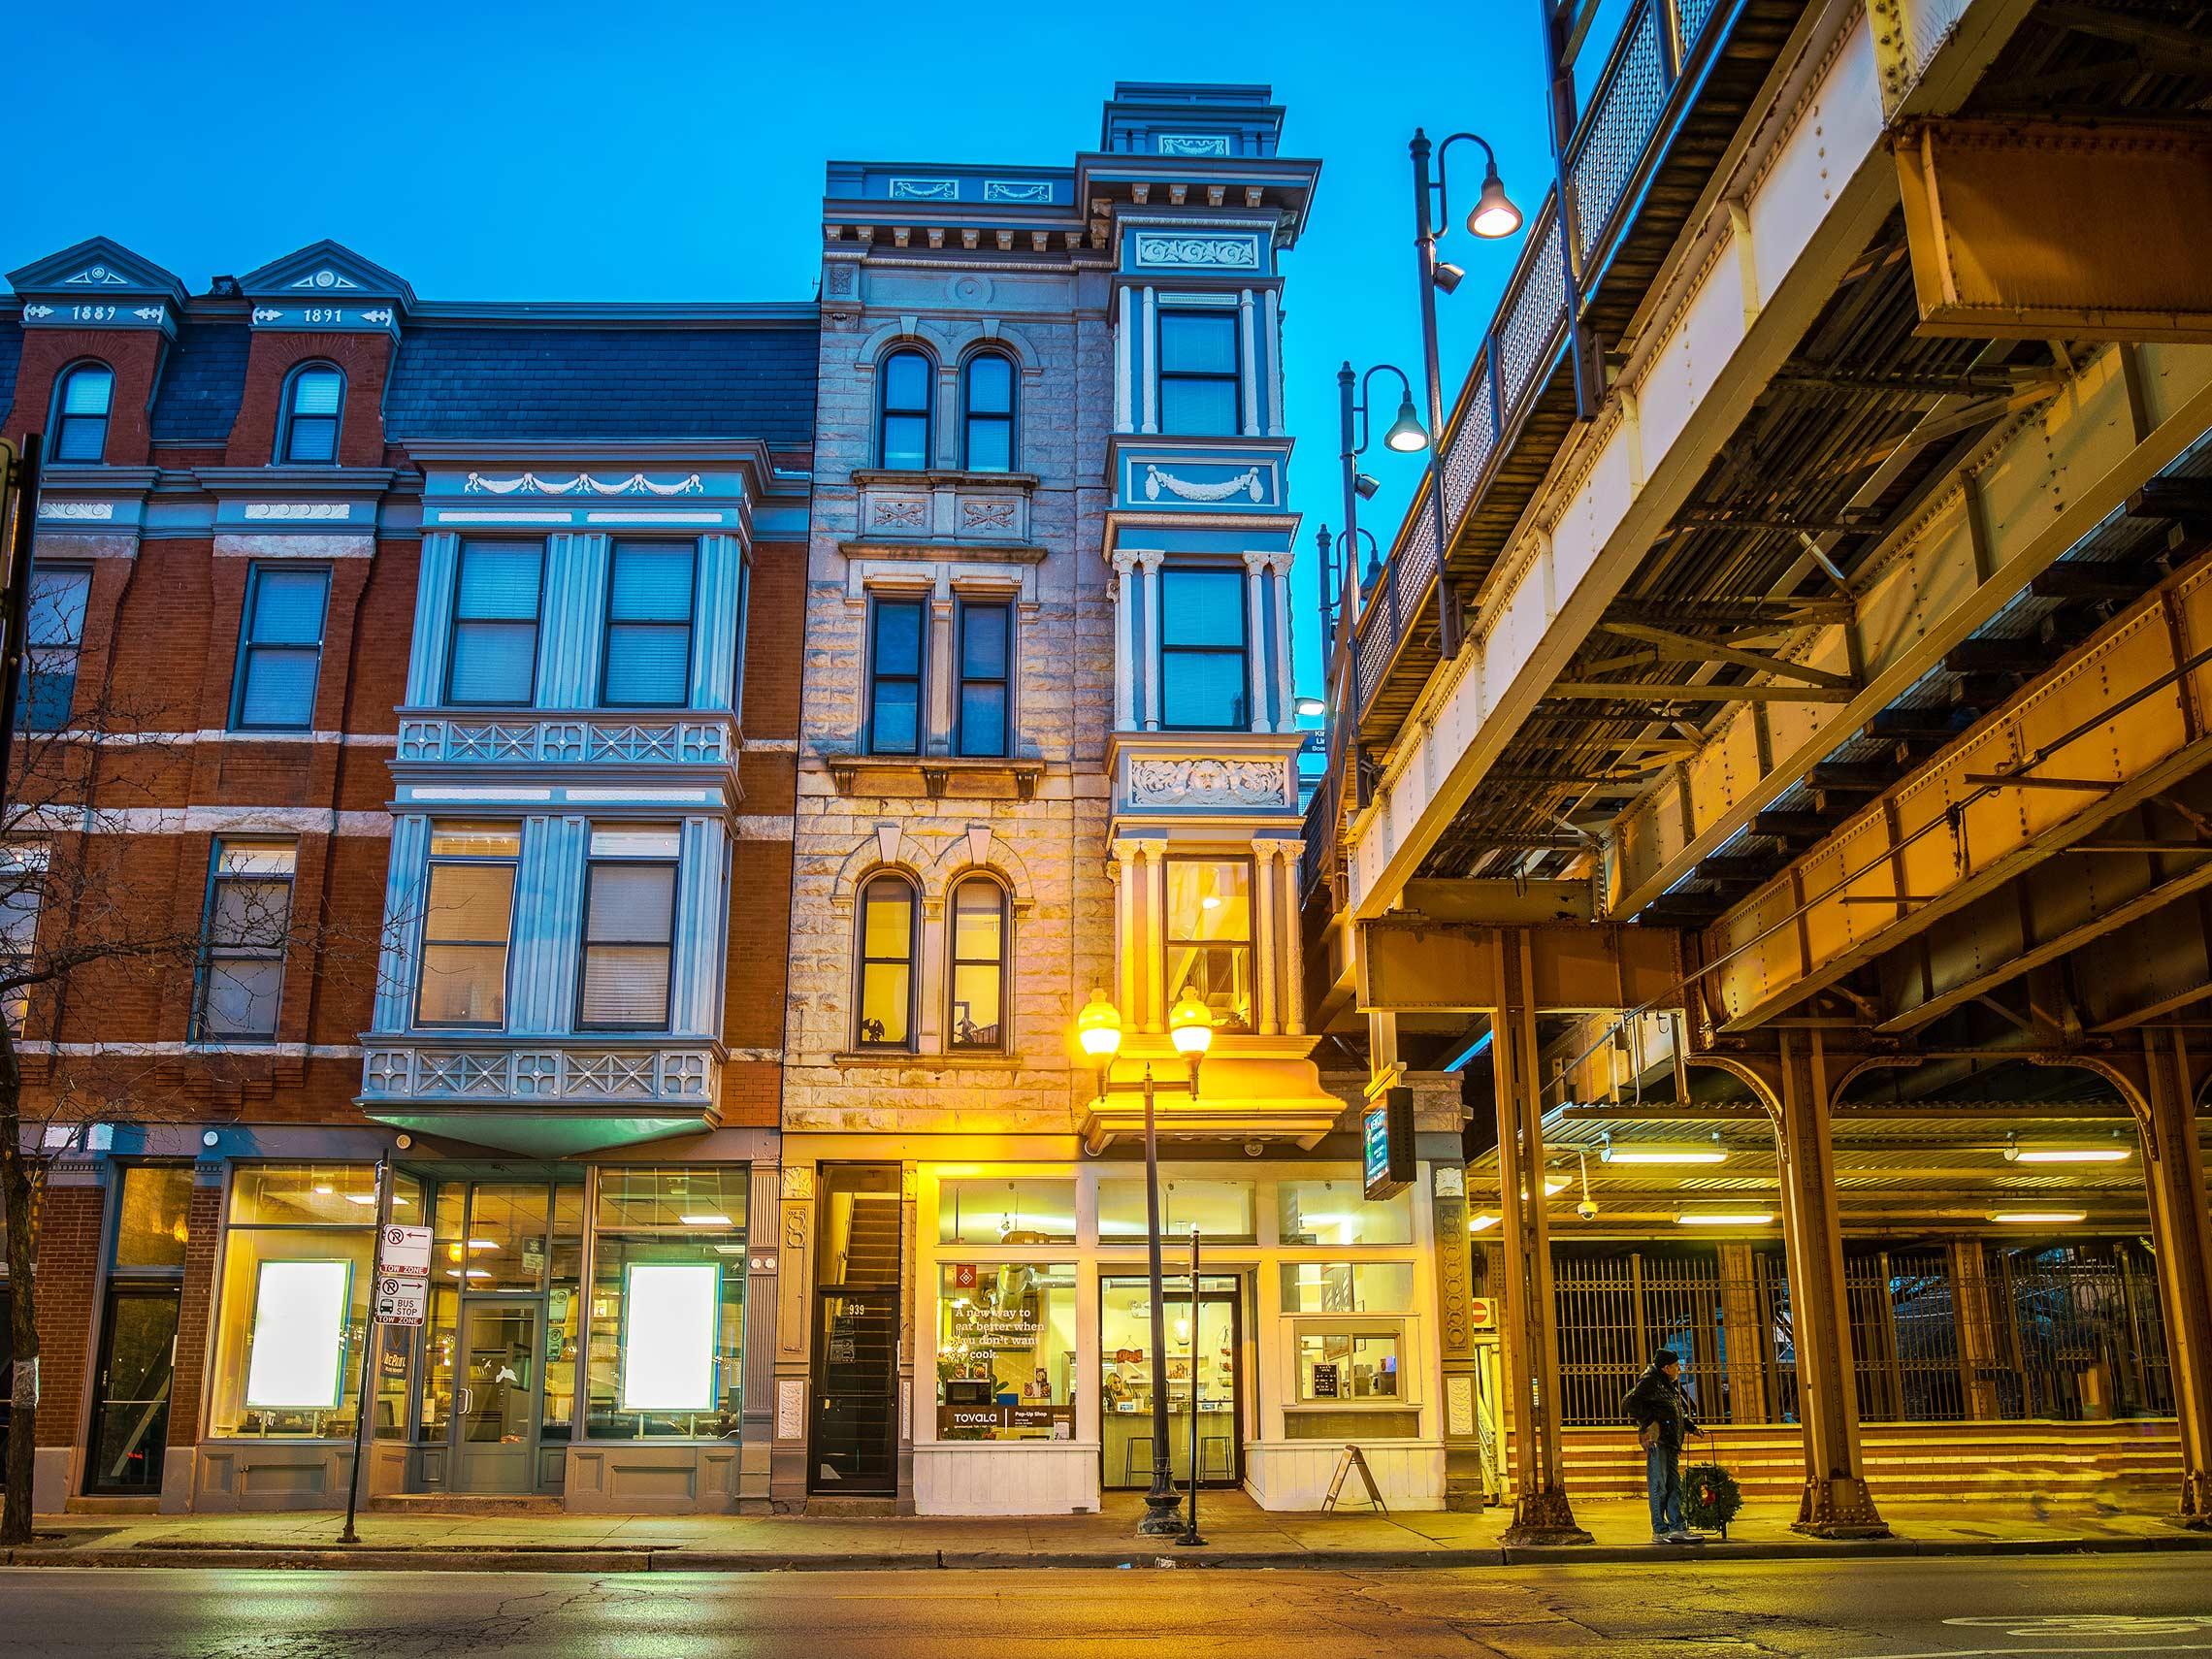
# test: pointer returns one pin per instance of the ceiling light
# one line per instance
(323, 1189)
(716, 1219)
(1662, 1152)
(1726, 1217)
(479, 1273)
(2038, 1218)
(1482, 1224)
(367, 1198)
(2116, 1153)
(483, 1244)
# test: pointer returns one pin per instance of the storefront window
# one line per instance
(295, 1300)
(1338, 1213)
(1006, 1351)
(995, 1212)
(1349, 1365)
(668, 1304)
(150, 1231)
(1347, 1286)
(1220, 1210)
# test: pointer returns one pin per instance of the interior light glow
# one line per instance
(670, 1314)
(1482, 1224)
(711, 1219)
(483, 1244)
(2067, 1154)
(299, 1335)
(1655, 1151)
(1725, 1218)
(2038, 1218)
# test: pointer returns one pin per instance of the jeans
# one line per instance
(1663, 1478)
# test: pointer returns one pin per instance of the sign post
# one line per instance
(1197, 1360)
(400, 1292)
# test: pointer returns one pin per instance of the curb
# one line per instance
(675, 1559)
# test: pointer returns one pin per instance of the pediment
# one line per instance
(322, 270)
(99, 269)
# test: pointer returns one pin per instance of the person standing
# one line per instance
(1660, 1409)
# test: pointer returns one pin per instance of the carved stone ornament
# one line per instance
(797, 1181)
(1002, 190)
(299, 509)
(976, 514)
(99, 512)
(1246, 482)
(901, 512)
(1198, 251)
(1195, 144)
(1206, 780)
(583, 484)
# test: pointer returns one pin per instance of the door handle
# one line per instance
(468, 1401)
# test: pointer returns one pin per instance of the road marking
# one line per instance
(1991, 1652)
(2088, 1623)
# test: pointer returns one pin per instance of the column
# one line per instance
(1250, 366)
(1145, 635)
(2174, 1176)
(1155, 933)
(195, 1314)
(1541, 1513)
(794, 1324)
(439, 571)
(1125, 716)
(1267, 943)
(1285, 693)
(930, 990)
(1255, 640)
(1274, 363)
(938, 664)
(1978, 1363)
(1741, 1324)
(1835, 1503)
(1293, 943)
(1148, 359)
(758, 1348)
(1127, 896)
(1124, 355)
(1463, 1485)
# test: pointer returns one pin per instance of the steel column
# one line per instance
(2174, 1175)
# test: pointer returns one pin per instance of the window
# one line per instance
(1199, 373)
(1209, 935)
(53, 634)
(987, 413)
(986, 655)
(1203, 681)
(888, 935)
(1221, 1209)
(648, 626)
(468, 916)
(629, 928)
(22, 881)
(280, 648)
(243, 941)
(313, 399)
(998, 1211)
(902, 423)
(668, 1304)
(895, 677)
(1349, 1365)
(495, 623)
(1006, 1351)
(975, 1018)
(80, 413)
(1338, 1213)
(1347, 1286)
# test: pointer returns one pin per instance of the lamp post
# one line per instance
(1407, 436)
(1494, 215)
(1190, 1028)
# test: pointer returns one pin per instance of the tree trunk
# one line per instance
(18, 1197)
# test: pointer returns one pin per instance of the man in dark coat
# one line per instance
(1661, 1413)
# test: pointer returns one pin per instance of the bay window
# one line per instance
(1198, 380)
(1203, 678)
(629, 928)
(1209, 935)
(468, 921)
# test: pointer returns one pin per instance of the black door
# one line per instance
(130, 1401)
(852, 1441)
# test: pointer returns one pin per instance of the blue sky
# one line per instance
(674, 152)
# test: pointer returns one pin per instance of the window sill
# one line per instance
(910, 1059)
(940, 776)
(864, 476)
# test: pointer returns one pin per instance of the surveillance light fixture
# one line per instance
(1366, 484)
(1447, 276)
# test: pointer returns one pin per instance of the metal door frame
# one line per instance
(535, 1302)
(116, 1291)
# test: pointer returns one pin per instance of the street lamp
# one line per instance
(1190, 1028)
(1493, 215)
(1356, 398)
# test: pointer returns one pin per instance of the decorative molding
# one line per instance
(38, 313)
(299, 509)
(583, 484)
(984, 515)
(325, 279)
(1032, 190)
(1167, 249)
(898, 512)
(97, 277)
(1157, 480)
(798, 1180)
(572, 740)
(1205, 780)
(1195, 144)
(925, 190)
(684, 1074)
(101, 511)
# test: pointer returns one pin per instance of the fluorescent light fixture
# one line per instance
(324, 1189)
(479, 1273)
(670, 1313)
(1482, 1224)
(1726, 1217)
(483, 1244)
(2115, 1154)
(367, 1198)
(1660, 1152)
(298, 1360)
(709, 1219)
(2038, 1218)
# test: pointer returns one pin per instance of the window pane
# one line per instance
(658, 1199)
(626, 985)
(499, 581)
(310, 438)
(898, 637)
(982, 720)
(990, 445)
(1221, 1209)
(1347, 1286)
(280, 687)
(989, 385)
(651, 583)
(648, 664)
(906, 442)
(494, 661)
(1202, 607)
(151, 1230)
(1198, 407)
(975, 1006)
(979, 919)
(982, 1210)
(1209, 899)
(315, 391)
(1338, 1213)
(289, 606)
(1198, 343)
(1348, 1365)
(907, 381)
(888, 928)
(636, 840)
(464, 984)
(88, 391)
(474, 840)
(56, 606)
(983, 641)
(1219, 975)
(251, 915)
(469, 901)
(884, 989)
(241, 996)
(1006, 1345)
(1202, 689)
(633, 903)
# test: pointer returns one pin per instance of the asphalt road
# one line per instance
(1917, 1609)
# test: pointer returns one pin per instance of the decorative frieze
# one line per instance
(583, 484)
(945, 506)
(1207, 781)
(677, 1075)
(1236, 251)
(568, 740)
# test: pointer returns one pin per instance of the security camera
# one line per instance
(1447, 276)
(1366, 485)
(1588, 1209)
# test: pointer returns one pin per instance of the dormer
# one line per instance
(98, 284)
(327, 287)
(325, 326)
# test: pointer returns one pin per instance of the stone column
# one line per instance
(1541, 1513)
(2174, 1175)
(1293, 943)
(1127, 896)
(1267, 943)
(1148, 361)
(1251, 374)
(1286, 690)
(1125, 716)
(1256, 639)
(1835, 1503)
(929, 984)
(1147, 634)
(1124, 358)
(763, 1263)
(1739, 1323)
(1274, 363)
(937, 664)
(795, 1324)
(1153, 932)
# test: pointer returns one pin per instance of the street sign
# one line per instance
(1386, 1141)
(405, 1251)
(1484, 1311)
(401, 1299)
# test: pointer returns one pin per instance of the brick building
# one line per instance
(435, 668)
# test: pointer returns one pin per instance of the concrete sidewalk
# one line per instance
(1238, 1534)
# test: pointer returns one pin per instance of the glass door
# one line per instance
(130, 1401)
(1205, 1374)
(859, 1247)
(496, 1414)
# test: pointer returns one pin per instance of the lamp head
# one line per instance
(1494, 215)
(1098, 1027)
(1310, 707)
(1447, 276)
(1365, 485)
(1407, 436)
(1191, 1025)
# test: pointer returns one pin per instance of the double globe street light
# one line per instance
(1190, 1028)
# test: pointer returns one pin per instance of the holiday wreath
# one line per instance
(1710, 1496)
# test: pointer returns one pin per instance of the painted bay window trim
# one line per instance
(468, 930)
(626, 967)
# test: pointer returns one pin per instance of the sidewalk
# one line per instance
(1238, 1534)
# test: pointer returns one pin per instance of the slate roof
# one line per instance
(10, 353)
(201, 383)
(586, 383)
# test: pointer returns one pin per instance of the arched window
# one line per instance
(976, 1014)
(81, 406)
(314, 398)
(902, 421)
(889, 934)
(987, 413)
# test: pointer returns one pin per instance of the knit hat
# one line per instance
(1666, 1356)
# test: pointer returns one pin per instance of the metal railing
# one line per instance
(1607, 159)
